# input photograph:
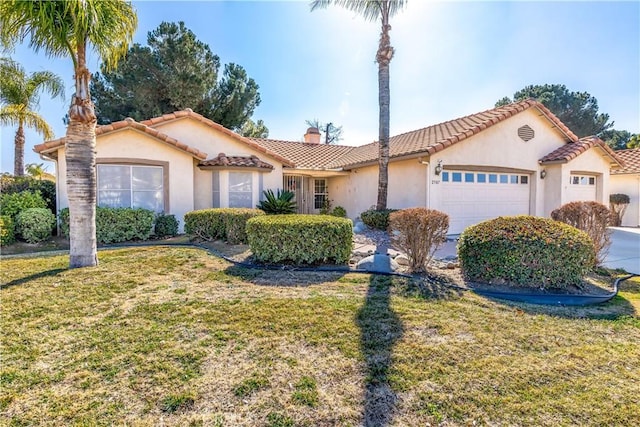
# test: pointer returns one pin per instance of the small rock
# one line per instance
(402, 259)
(452, 265)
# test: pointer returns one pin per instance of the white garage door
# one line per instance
(471, 197)
(581, 188)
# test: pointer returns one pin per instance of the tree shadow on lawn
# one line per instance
(380, 328)
(27, 279)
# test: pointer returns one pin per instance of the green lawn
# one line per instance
(175, 336)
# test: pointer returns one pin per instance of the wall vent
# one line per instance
(526, 133)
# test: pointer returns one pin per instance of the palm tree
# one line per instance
(372, 10)
(67, 29)
(36, 170)
(19, 96)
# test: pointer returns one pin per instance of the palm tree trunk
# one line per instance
(80, 147)
(383, 57)
(18, 162)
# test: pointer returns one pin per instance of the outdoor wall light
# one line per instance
(543, 173)
(438, 168)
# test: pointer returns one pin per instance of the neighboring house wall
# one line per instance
(628, 184)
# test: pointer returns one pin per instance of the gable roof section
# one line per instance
(189, 113)
(128, 123)
(631, 159)
(572, 150)
(305, 155)
(435, 138)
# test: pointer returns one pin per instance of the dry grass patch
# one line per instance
(175, 336)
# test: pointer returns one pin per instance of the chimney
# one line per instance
(312, 136)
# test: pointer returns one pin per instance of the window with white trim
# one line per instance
(321, 193)
(240, 190)
(128, 186)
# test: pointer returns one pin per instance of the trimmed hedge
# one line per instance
(525, 251)
(115, 225)
(377, 219)
(220, 223)
(35, 225)
(300, 239)
(10, 184)
(7, 230)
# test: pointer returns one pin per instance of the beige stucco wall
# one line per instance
(359, 191)
(208, 140)
(590, 162)
(628, 184)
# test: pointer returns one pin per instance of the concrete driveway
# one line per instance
(625, 249)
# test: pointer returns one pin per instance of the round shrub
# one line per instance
(525, 251)
(300, 239)
(165, 225)
(377, 218)
(7, 230)
(11, 204)
(35, 224)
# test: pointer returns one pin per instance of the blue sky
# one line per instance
(452, 59)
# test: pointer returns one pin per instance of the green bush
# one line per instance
(115, 225)
(277, 204)
(12, 204)
(165, 226)
(525, 251)
(300, 239)
(35, 224)
(7, 230)
(10, 184)
(339, 211)
(220, 223)
(618, 204)
(377, 219)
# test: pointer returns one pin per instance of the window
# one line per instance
(493, 178)
(124, 186)
(468, 177)
(582, 180)
(482, 178)
(524, 179)
(513, 179)
(445, 176)
(457, 176)
(240, 190)
(320, 193)
(504, 179)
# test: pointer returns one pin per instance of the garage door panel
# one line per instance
(471, 202)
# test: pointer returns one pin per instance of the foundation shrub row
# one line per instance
(227, 224)
(115, 225)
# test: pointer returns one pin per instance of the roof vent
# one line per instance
(526, 133)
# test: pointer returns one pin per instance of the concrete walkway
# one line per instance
(624, 252)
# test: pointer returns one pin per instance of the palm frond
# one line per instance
(370, 10)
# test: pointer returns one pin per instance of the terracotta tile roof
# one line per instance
(631, 159)
(437, 137)
(573, 149)
(305, 155)
(190, 113)
(52, 145)
(222, 160)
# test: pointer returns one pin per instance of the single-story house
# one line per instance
(514, 159)
(627, 181)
